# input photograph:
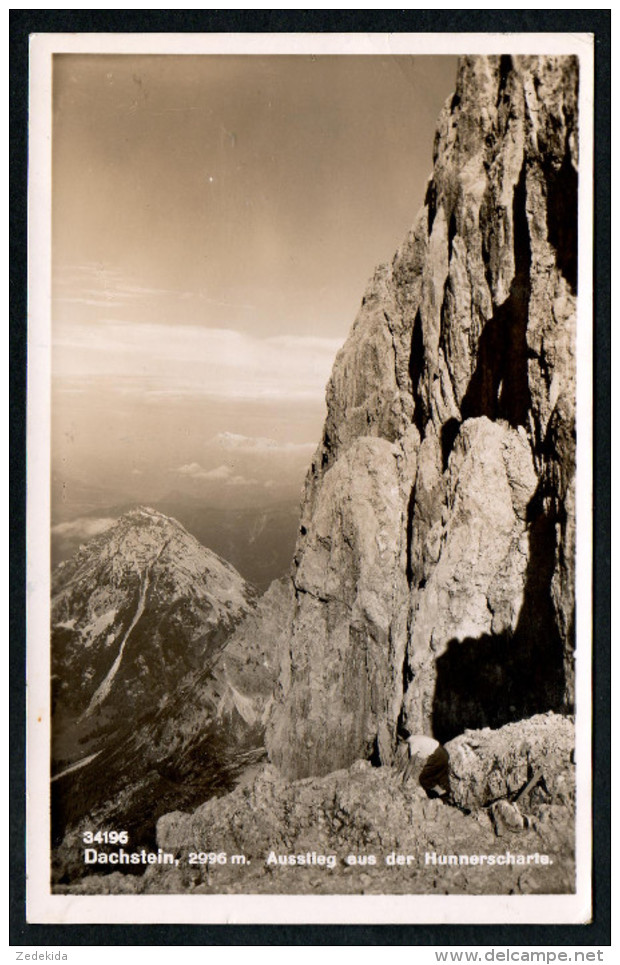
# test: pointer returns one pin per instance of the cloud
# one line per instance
(194, 470)
(160, 362)
(242, 481)
(190, 469)
(306, 343)
(96, 301)
(67, 389)
(248, 444)
(101, 286)
(221, 472)
(83, 528)
(105, 286)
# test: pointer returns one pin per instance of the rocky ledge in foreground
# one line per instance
(336, 823)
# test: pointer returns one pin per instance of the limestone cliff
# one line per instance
(433, 574)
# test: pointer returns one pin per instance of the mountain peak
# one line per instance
(136, 608)
(145, 515)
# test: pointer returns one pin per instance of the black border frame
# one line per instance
(598, 22)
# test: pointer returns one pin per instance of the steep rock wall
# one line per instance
(433, 574)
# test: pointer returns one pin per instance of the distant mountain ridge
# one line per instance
(257, 540)
(164, 663)
(135, 609)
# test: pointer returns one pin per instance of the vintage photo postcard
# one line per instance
(309, 478)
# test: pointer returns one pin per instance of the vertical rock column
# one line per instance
(434, 569)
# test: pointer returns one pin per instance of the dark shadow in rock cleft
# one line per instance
(449, 431)
(500, 678)
(562, 187)
(430, 200)
(499, 388)
(416, 370)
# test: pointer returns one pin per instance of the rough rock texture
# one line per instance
(360, 819)
(434, 567)
(489, 765)
(352, 601)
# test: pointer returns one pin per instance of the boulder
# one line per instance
(527, 763)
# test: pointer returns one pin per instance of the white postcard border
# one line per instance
(42, 905)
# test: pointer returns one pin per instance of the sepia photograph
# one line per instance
(309, 391)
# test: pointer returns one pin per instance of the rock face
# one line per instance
(434, 569)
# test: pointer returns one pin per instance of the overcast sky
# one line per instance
(215, 222)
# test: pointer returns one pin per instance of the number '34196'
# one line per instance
(105, 837)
